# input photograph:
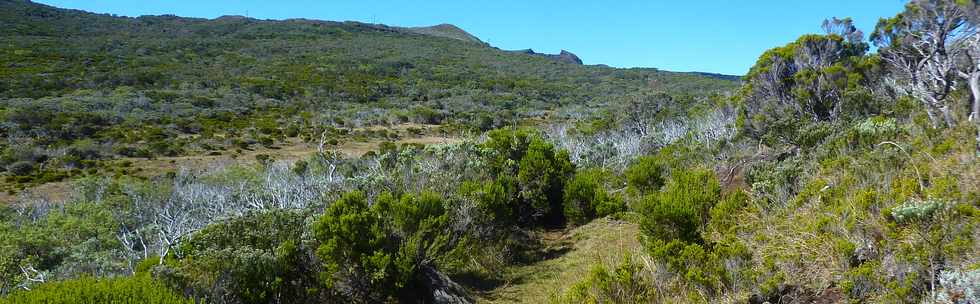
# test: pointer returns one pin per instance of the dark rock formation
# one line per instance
(564, 56)
(444, 290)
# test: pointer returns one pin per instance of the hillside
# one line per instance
(163, 159)
(163, 52)
(104, 87)
(445, 31)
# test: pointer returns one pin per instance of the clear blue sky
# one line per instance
(722, 36)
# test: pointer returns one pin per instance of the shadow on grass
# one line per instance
(479, 282)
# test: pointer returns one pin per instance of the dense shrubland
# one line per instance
(329, 228)
(819, 180)
(83, 89)
(393, 225)
(846, 181)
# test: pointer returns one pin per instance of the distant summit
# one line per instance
(450, 31)
(567, 56)
(564, 56)
(231, 18)
(444, 30)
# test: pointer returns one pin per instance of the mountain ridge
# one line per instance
(443, 30)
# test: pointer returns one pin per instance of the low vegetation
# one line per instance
(831, 175)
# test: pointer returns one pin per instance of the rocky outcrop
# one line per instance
(444, 290)
(564, 56)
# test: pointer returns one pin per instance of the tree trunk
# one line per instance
(933, 116)
(978, 139)
(947, 116)
(974, 82)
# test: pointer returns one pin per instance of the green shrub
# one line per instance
(264, 159)
(540, 170)
(625, 284)
(681, 209)
(355, 248)
(378, 252)
(139, 289)
(673, 224)
(300, 167)
(541, 177)
(494, 199)
(241, 144)
(21, 168)
(586, 198)
(292, 131)
(646, 174)
(234, 260)
(78, 237)
(131, 151)
(266, 141)
(723, 214)
(427, 115)
(84, 149)
(419, 223)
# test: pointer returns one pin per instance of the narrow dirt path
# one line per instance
(603, 241)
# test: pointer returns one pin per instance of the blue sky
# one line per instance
(721, 36)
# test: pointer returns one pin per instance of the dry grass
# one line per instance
(55, 192)
(602, 241)
(291, 150)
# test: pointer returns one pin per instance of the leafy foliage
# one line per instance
(355, 249)
(540, 171)
(680, 211)
(586, 198)
(256, 258)
(675, 225)
(646, 175)
(815, 78)
(625, 284)
(138, 289)
(76, 240)
(378, 252)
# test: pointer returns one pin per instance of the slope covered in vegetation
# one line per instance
(831, 175)
(80, 89)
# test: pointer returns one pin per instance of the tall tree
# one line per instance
(969, 65)
(922, 45)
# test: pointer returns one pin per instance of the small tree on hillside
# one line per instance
(810, 79)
